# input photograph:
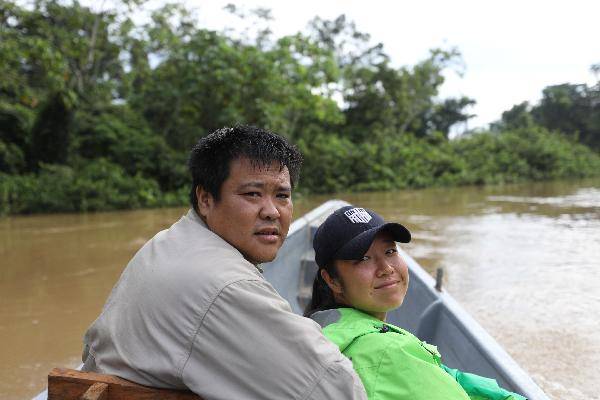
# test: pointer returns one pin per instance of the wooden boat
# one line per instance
(428, 312)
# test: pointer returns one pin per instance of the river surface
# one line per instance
(524, 260)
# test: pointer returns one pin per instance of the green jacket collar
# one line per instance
(350, 324)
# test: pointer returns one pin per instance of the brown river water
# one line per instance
(524, 260)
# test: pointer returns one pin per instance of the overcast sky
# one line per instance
(511, 49)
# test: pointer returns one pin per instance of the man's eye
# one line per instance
(252, 194)
(283, 196)
(392, 250)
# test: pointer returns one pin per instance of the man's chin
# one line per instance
(261, 258)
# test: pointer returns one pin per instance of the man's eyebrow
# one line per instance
(252, 184)
(261, 185)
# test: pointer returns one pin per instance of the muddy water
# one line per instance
(523, 259)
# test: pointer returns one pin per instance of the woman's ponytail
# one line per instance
(322, 295)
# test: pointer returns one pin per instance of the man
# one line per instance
(192, 311)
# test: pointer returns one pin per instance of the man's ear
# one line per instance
(334, 284)
(205, 201)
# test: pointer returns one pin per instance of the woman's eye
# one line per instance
(391, 250)
(364, 258)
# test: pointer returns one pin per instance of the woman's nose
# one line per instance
(384, 268)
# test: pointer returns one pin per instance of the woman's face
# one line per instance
(377, 283)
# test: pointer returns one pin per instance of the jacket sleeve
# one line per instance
(250, 345)
(479, 387)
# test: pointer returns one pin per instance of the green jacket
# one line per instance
(394, 364)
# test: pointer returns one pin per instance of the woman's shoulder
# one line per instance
(352, 319)
(348, 326)
(346, 319)
(355, 331)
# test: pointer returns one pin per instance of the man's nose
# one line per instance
(269, 209)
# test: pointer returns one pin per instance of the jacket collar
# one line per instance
(344, 325)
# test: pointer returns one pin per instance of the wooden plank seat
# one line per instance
(70, 384)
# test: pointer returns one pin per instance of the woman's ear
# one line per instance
(334, 284)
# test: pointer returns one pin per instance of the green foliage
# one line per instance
(338, 164)
(443, 116)
(99, 185)
(524, 154)
(51, 133)
(122, 136)
(210, 80)
(519, 116)
(395, 101)
(573, 109)
(12, 159)
(328, 162)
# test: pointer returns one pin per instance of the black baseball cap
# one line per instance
(348, 233)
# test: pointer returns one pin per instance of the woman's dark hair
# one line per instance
(322, 295)
(210, 158)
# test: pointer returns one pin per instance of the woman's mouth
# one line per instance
(387, 285)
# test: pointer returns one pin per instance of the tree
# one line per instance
(442, 116)
(205, 80)
(56, 58)
(573, 109)
(395, 101)
(51, 133)
(519, 116)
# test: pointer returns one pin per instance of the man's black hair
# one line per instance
(211, 157)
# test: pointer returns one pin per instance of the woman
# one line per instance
(361, 277)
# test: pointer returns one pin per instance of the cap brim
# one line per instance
(357, 247)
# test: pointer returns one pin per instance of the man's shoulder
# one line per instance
(190, 252)
(192, 233)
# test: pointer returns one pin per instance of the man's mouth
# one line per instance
(268, 231)
(268, 235)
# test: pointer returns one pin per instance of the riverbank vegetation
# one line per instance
(98, 112)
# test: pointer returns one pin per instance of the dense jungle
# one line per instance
(98, 110)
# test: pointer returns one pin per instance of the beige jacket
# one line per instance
(190, 312)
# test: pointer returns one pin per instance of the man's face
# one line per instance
(254, 211)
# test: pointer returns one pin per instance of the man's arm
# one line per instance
(249, 344)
